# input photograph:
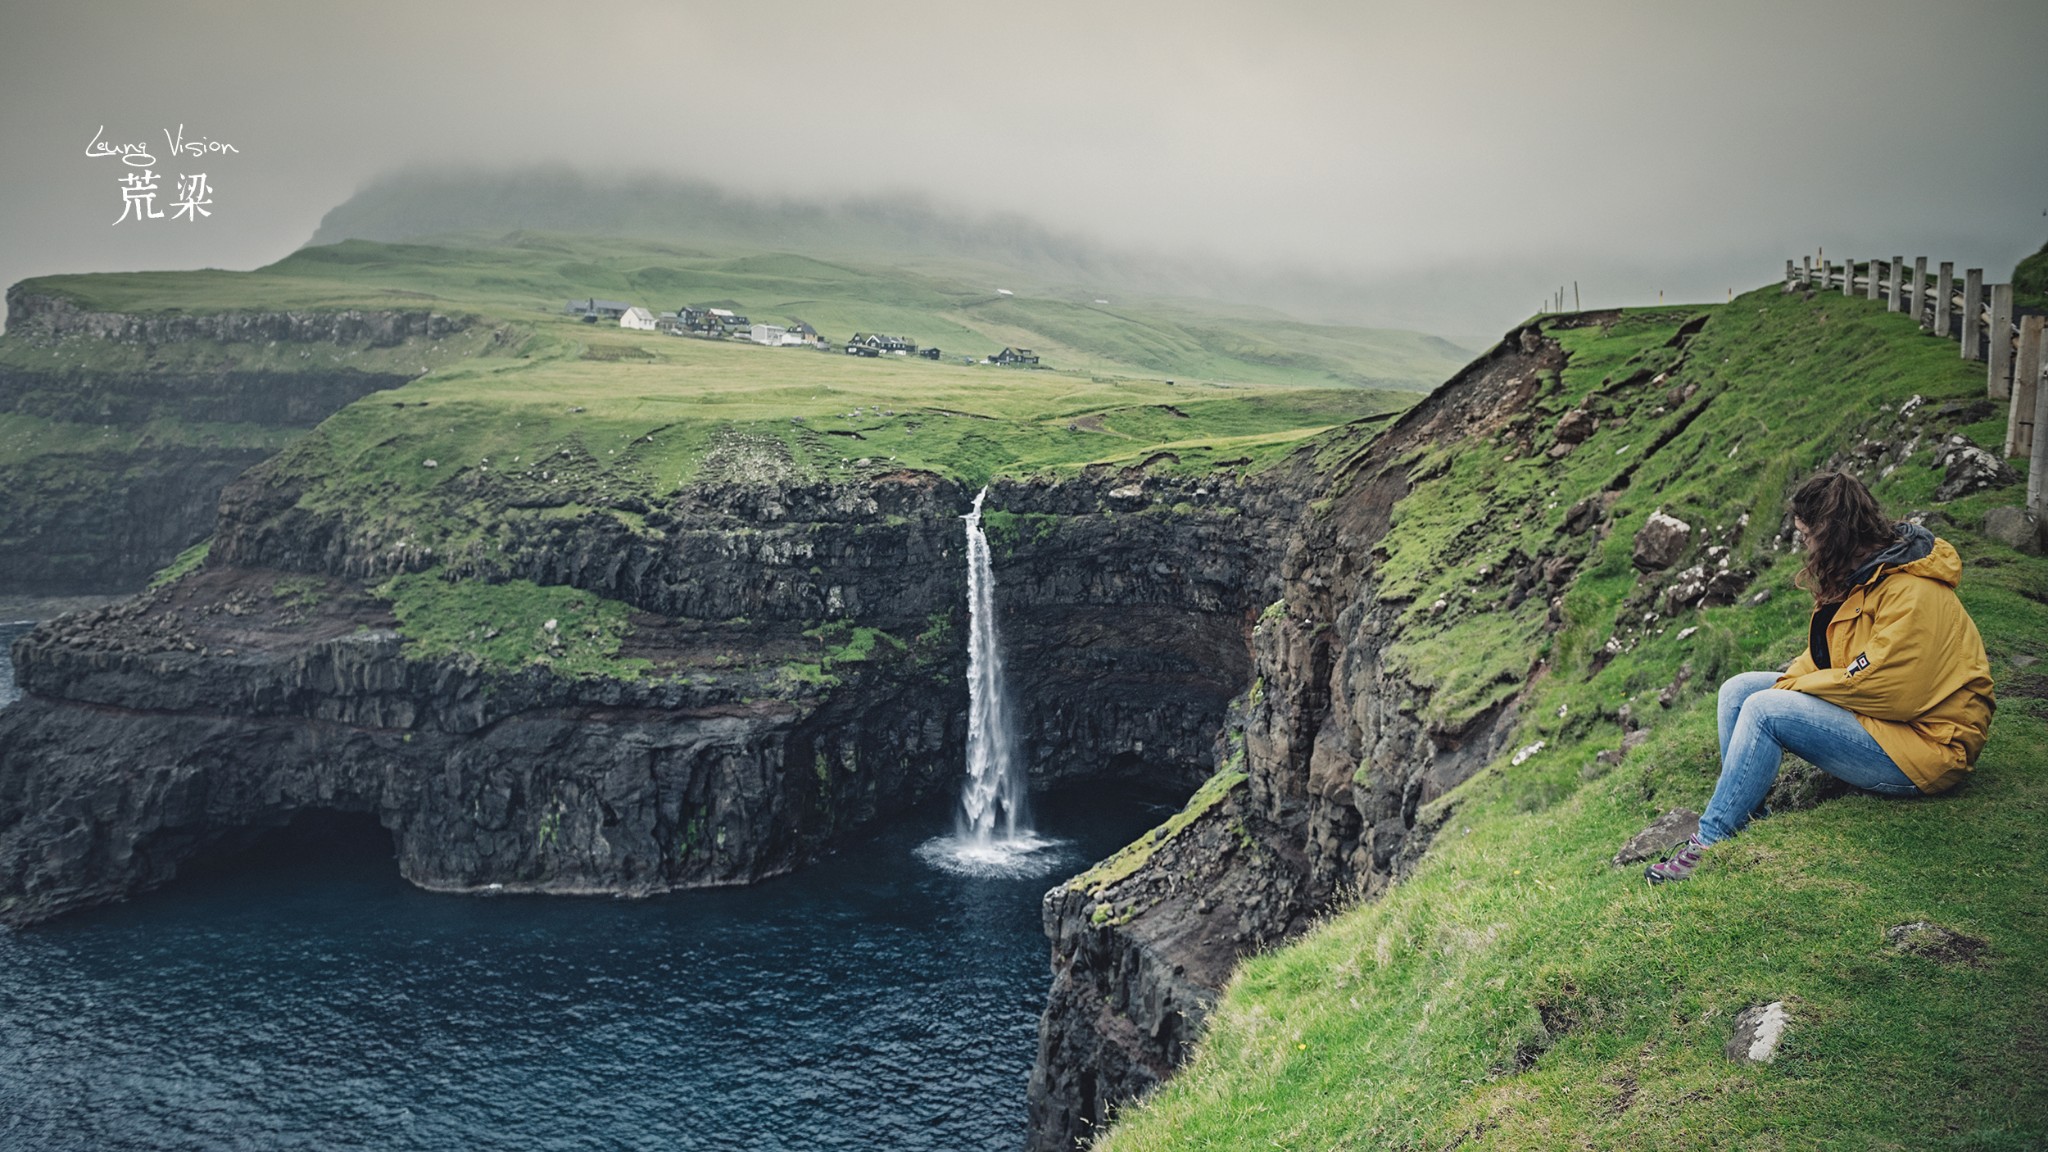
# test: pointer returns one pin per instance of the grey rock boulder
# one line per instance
(1574, 426)
(1758, 1032)
(1968, 468)
(1800, 786)
(1664, 834)
(2016, 528)
(1662, 540)
(1934, 942)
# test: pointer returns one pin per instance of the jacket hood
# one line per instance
(1916, 552)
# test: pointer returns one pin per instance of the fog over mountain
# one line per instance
(1442, 167)
(901, 229)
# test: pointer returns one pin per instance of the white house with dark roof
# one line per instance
(879, 343)
(592, 306)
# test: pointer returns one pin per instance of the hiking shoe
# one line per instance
(1679, 864)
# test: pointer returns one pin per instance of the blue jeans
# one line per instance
(1760, 723)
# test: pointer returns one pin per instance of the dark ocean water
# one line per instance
(301, 995)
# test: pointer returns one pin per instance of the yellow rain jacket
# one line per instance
(1905, 656)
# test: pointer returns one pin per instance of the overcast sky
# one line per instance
(1634, 146)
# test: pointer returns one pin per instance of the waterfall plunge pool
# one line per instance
(301, 995)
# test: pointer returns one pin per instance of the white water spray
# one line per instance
(992, 832)
(992, 803)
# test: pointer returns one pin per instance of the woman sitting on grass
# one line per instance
(1893, 692)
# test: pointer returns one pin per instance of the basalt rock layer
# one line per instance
(1155, 624)
(276, 679)
(44, 316)
(1341, 775)
(148, 443)
(207, 710)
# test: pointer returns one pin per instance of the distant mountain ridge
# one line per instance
(912, 231)
(903, 230)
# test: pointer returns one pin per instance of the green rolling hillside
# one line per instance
(520, 275)
(1518, 991)
(117, 444)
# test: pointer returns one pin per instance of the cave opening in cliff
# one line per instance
(311, 848)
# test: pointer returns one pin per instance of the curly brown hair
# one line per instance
(1845, 526)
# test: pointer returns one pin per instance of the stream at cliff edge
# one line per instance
(301, 995)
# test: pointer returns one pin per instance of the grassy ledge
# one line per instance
(512, 625)
(1133, 855)
(1517, 991)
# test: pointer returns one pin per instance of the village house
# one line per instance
(1016, 358)
(776, 336)
(709, 323)
(592, 309)
(893, 345)
(637, 317)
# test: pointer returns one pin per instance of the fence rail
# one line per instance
(1980, 318)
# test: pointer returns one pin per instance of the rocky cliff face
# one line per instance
(1157, 625)
(1160, 625)
(1339, 775)
(40, 317)
(103, 522)
(242, 694)
(212, 709)
(150, 445)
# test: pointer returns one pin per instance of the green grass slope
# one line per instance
(1519, 992)
(578, 416)
(598, 413)
(2030, 280)
(527, 276)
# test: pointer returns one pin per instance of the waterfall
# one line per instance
(992, 833)
(992, 804)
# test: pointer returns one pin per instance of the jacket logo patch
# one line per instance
(1861, 662)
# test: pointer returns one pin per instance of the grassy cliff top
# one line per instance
(641, 411)
(642, 414)
(1519, 992)
(528, 276)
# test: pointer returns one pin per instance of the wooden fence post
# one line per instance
(1973, 312)
(1944, 287)
(1870, 290)
(1998, 377)
(2026, 376)
(1917, 300)
(2037, 465)
(1898, 300)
